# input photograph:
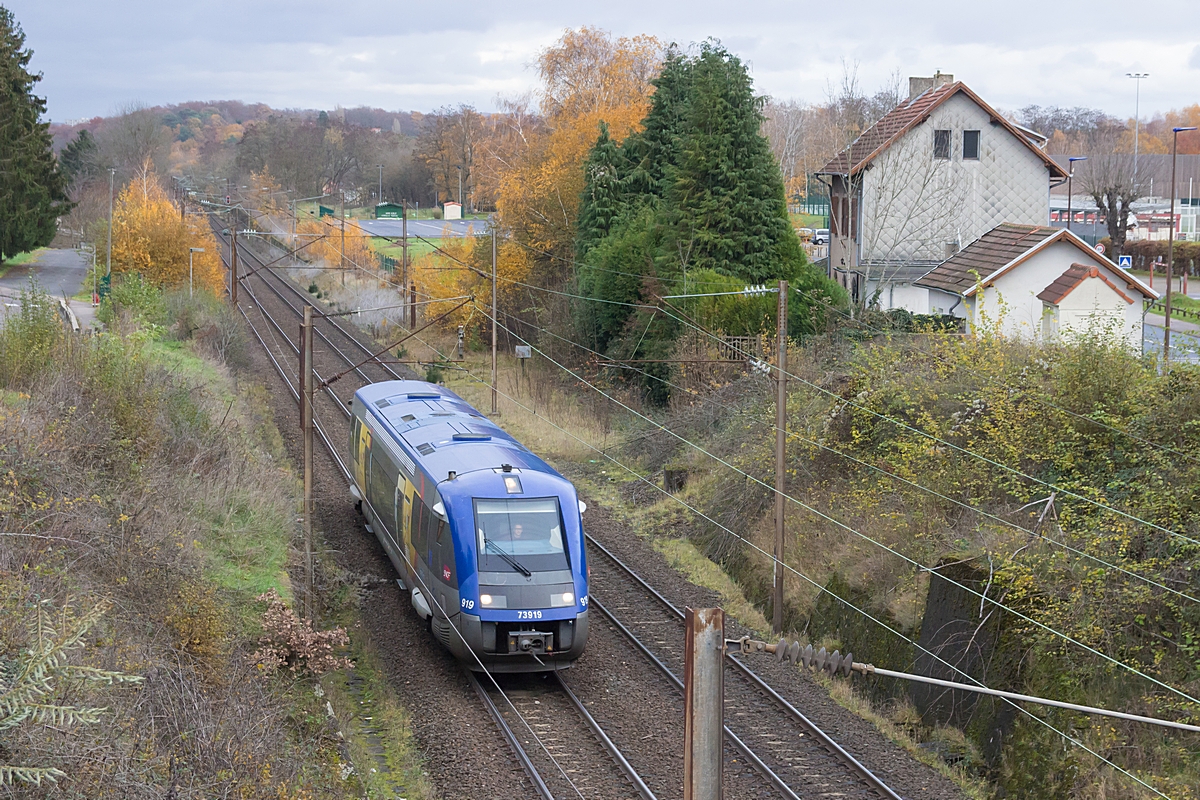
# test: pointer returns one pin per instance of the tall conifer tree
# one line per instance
(32, 190)
(727, 197)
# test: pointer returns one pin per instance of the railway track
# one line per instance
(799, 758)
(571, 755)
(562, 748)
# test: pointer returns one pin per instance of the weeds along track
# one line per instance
(771, 748)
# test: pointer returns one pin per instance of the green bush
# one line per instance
(134, 301)
(29, 337)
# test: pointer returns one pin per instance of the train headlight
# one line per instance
(568, 598)
(485, 599)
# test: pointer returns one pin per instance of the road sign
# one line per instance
(1100, 249)
(1125, 262)
(524, 351)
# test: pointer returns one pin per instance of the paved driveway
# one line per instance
(60, 273)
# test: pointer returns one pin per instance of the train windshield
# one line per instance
(521, 535)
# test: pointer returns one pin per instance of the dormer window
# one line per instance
(941, 145)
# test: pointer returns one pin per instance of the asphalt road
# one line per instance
(426, 228)
(1185, 344)
(60, 273)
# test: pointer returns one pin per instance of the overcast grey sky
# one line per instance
(100, 54)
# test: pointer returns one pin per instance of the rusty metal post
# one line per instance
(404, 257)
(494, 323)
(306, 416)
(704, 704)
(412, 306)
(780, 452)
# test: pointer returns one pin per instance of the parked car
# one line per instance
(821, 236)
(805, 234)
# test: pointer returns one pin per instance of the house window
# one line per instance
(971, 145)
(941, 145)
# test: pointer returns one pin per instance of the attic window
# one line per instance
(941, 145)
(970, 145)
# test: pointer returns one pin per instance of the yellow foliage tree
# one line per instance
(150, 237)
(328, 245)
(588, 77)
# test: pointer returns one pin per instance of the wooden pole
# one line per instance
(306, 414)
(704, 702)
(342, 215)
(1170, 255)
(494, 322)
(781, 335)
(233, 262)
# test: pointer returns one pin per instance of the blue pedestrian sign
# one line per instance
(1125, 262)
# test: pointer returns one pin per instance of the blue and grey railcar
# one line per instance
(486, 536)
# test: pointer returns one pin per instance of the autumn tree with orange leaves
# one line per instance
(149, 237)
(588, 77)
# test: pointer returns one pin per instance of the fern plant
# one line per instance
(30, 683)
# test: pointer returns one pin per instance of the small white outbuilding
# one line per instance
(452, 210)
(1034, 281)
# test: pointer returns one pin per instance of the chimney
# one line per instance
(918, 86)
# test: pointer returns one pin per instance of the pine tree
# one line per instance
(654, 152)
(727, 197)
(79, 159)
(32, 190)
(602, 197)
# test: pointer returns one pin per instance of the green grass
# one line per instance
(813, 221)
(416, 247)
(18, 259)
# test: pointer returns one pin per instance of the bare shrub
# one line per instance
(291, 642)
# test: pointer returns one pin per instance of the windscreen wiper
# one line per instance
(512, 562)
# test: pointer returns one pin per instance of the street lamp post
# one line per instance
(1171, 245)
(191, 252)
(1138, 77)
(1071, 174)
(380, 183)
(460, 186)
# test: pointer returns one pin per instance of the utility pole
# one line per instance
(112, 176)
(704, 702)
(1138, 77)
(404, 253)
(233, 262)
(1171, 244)
(342, 215)
(494, 321)
(306, 418)
(781, 335)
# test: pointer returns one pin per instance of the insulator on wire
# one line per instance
(818, 661)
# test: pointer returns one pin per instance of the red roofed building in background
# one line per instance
(938, 171)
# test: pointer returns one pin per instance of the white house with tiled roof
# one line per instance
(939, 170)
(1034, 281)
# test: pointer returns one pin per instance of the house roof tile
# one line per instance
(910, 113)
(990, 252)
(1066, 283)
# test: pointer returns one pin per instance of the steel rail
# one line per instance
(741, 746)
(510, 736)
(636, 781)
(243, 249)
(820, 735)
(835, 749)
(638, 784)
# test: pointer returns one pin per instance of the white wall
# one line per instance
(1011, 302)
(914, 299)
(1094, 302)
(913, 205)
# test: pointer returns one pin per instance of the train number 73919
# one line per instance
(529, 615)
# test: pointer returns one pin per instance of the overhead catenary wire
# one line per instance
(476, 658)
(891, 475)
(810, 581)
(849, 529)
(965, 451)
